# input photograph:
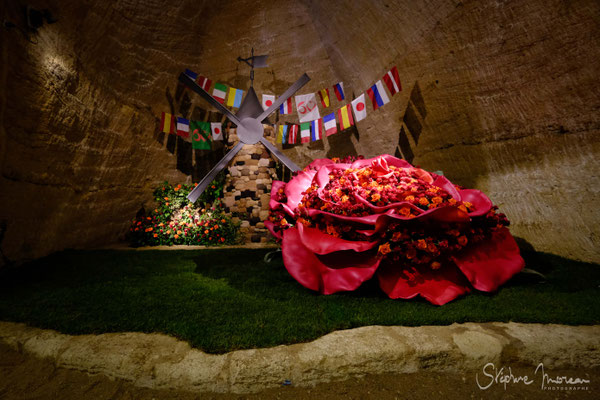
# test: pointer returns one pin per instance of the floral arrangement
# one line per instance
(176, 220)
(342, 222)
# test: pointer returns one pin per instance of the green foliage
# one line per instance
(175, 220)
(226, 299)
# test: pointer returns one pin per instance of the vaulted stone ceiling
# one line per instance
(502, 96)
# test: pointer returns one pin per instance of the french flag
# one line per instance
(392, 80)
(338, 88)
(378, 95)
(183, 127)
(191, 74)
(330, 124)
(286, 107)
(317, 129)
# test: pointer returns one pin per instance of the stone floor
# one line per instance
(368, 362)
(24, 376)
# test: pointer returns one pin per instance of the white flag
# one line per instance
(359, 107)
(307, 108)
(267, 100)
(217, 130)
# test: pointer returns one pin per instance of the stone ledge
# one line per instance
(162, 362)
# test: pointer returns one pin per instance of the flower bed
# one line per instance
(341, 223)
(176, 220)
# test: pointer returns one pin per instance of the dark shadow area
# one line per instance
(340, 144)
(184, 156)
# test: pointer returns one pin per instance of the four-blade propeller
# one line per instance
(249, 122)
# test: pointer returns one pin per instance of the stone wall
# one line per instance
(502, 96)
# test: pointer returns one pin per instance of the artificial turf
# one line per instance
(225, 299)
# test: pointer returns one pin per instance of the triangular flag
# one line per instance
(392, 80)
(317, 129)
(324, 95)
(235, 97)
(359, 107)
(191, 74)
(200, 135)
(217, 130)
(330, 124)
(167, 123)
(306, 105)
(267, 100)
(305, 132)
(338, 88)
(345, 117)
(219, 92)
(282, 134)
(293, 133)
(204, 82)
(378, 95)
(183, 127)
(286, 107)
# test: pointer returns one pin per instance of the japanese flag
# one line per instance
(307, 108)
(359, 107)
(267, 100)
(217, 130)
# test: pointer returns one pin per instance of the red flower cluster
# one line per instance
(340, 223)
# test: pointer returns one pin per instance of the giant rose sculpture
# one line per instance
(343, 223)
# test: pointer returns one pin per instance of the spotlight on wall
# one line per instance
(36, 18)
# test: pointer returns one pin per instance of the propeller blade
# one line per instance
(288, 93)
(286, 161)
(187, 81)
(203, 184)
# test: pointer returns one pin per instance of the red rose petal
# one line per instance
(339, 271)
(296, 186)
(490, 263)
(437, 286)
(481, 202)
(322, 243)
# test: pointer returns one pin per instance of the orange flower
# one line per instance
(463, 240)
(223, 221)
(409, 198)
(166, 198)
(212, 187)
(179, 232)
(375, 197)
(435, 265)
(405, 211)
(216, 226)
(345, 198)
(331, 230)
(176, 189)
(397, 236)
(161, 224)
(167, 204)
(421, 244)
(283, 222)
(463, 208)
(452, 201)
(384, 249)
(423, 201)
(156, 235)
(206, 232)
(436, 200)
(222, 239)
(176, 236)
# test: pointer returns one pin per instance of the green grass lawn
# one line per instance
(225, 299)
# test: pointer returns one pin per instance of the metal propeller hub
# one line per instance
(250, 131)
(249, 121)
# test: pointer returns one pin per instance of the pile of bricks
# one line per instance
(248, 187)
